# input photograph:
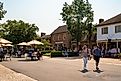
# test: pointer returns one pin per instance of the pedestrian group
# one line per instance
(87, 54)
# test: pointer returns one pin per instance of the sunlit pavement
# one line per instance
(66, 69)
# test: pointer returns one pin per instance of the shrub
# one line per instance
(119, 56)
(46, 51)
(56, 54)
(47, 54)
(73, 54)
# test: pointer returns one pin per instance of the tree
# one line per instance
(77, 16)
(18, 31)
(46, 43)
(2, 12)
(91, 30)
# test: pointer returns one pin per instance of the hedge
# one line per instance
(47, 54)
(73, 54)
(61, 54)
(56, 54)
(46, 51)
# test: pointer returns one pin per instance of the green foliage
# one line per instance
(119, 55)
(46, 43)
(47, 54)
(18, 31)
(46, 51)
(91, 30)
(60, 54)
(77, 16)
(56, 54)
(73, 54)
(2, 12)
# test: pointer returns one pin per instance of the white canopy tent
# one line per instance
(35, 42)
(8, 45)
(23, 44)
(4, 41)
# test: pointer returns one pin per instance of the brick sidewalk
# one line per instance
(9, 75)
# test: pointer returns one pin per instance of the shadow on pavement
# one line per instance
(98, 71)
(72, 58)
(84, 71)
(28, 60)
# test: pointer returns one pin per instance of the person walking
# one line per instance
(1, 53)
(85, 53)
(39, 55)
(96, 54)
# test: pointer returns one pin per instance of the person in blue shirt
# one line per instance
(97, 54)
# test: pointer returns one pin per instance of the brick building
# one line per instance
(60, 37)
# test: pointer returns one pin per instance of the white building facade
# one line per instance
(109, 32)
(106, 32)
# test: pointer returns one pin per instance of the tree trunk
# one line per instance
(90, 34)
(77, 44)
(89, 41)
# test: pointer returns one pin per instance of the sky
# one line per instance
(46, 13)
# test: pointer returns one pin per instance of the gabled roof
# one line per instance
(46, 36)
(85, 37)
(60, 29)
(113, 20)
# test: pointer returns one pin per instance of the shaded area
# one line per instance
(98, 71)
(84, 71)
(28, 60)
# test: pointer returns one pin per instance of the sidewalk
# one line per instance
(9, 75)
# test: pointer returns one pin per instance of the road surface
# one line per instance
(66, 69)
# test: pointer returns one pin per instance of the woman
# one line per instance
(85, 53)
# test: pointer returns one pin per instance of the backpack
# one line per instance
(97, 52)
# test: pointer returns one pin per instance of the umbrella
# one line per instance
(23, 44)
(4, 41)
(8, 45)
(35, 42)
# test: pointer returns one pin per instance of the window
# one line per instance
(118, 29)
(53, 37)
(64, 36)
(105, 30)
(58, 36)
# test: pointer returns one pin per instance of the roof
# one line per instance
(46, 36)
(60, 29)
(113, 20)
(85, 37)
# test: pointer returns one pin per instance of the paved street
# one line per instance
(66, 69)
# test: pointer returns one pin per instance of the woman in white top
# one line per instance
(85, 53)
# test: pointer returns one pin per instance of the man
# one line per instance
(97, 54)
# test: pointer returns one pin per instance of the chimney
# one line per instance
(101, 20)
(42, 34)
